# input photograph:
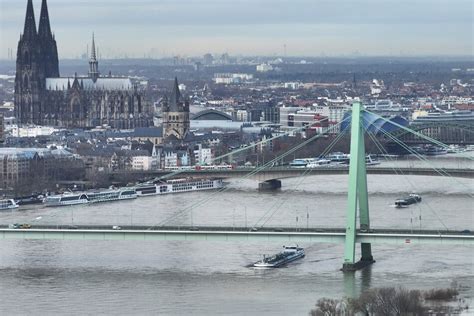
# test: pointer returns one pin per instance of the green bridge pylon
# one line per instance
(357, 196)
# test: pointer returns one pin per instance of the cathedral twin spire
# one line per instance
(39, 44)
(44, 30)
(29, 31)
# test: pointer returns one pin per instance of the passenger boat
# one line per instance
(30, 199)
(112, 195)
(320, 163)
(338, 157)
(69, 198)
(301, 162)
(343, 159)
(66, 199)
(435, 151)
(177, 186)
(411, 199)
(8, 204)
(288, 254)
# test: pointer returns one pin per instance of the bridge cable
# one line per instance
(236, 151)
(440, 171)
(302, 177)
(258, 169)
(382, 149)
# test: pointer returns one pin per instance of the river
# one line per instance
(205, 278)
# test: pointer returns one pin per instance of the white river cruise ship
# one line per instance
(69, 198)
(177, 186)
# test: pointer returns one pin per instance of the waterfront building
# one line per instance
(202, 155)
(42, 97)
(24, 168)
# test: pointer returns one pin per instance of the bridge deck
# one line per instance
(285, 235)
(288, 172)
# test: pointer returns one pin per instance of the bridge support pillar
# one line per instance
(268, 185)
(357, 196)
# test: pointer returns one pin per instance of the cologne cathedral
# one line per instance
(42, 97)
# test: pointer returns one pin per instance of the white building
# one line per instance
(334, 113)
(292, 85)
(242, 115)
(175, 159)
(143, 163)
(285, 112)
(231, 78)
(264, 67)
(203, 156)
(377, 87)
(30, 131)
(170, 159)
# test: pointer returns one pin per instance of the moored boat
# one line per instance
(411, 199)
(178, 186)
(301, 162)
(69, 198)
(435, 151)
(8, 204)
(288, 255)
(320, 163)
(30, 199)
(112, 195)
(66, 199)
(338, 157)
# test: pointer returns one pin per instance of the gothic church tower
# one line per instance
(37, 59)
(176, 114)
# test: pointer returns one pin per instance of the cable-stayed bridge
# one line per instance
(232, 233)
(356, 231)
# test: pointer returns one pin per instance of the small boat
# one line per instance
(8, 204)
(30, 199)
(411, 199)
(435, 151)
(338, 157)
(288, 254)
(301, 162)
(319, 163)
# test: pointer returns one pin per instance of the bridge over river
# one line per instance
(215, 233)
(290, 172)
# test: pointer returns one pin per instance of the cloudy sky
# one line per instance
(250, 27)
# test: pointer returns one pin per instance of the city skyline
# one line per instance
(302, 28)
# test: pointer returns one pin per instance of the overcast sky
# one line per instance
(250, 27)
